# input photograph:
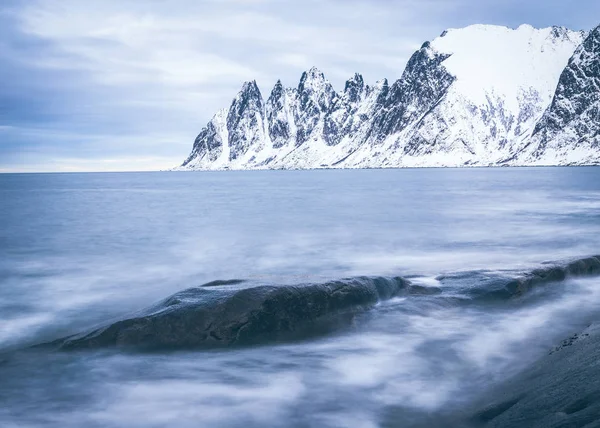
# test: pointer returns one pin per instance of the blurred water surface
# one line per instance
(80, 249)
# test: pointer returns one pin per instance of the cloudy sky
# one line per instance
(103, 85)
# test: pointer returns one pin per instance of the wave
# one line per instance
(219, 315)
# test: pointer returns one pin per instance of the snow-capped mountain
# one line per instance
(570, 129)
(481, 95)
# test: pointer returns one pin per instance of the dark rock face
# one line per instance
(279, 127)
(315, 97)
(246, 112)
(354, 88)
(342, 119)
(217, 314)
(573, 118)
(201, 317)
(421, 86)
(553, 273)
(208, 145)
(493, 286)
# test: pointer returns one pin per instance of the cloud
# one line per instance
(119, 47)
(133, 75)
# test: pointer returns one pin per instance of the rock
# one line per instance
(556, 272)
(561, 390)
(201, 317)
(485, 285)
(587, 266)
(221, 314)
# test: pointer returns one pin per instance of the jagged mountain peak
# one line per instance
(380, 84)
(589, 52)
(315, 92)
(250, 87)
(248, 97)
(277, 92)
(558, 31)
(313, 73)
(354, 88)
(471, 96)
(579, 83)
(595, 34)
(357, 79)
(571, 124)
(313, 79)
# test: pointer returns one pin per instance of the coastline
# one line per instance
(562, 389)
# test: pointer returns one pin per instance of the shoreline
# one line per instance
(560, 389)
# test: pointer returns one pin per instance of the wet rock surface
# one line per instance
(552, 273)
(560, 390)
(220, 314)
(201, 317)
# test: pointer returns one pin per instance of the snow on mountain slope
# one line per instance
(211, 147)
(497, 61)
(470, 97)
(503, 81)
(569, 131)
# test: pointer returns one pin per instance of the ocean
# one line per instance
(78, 251)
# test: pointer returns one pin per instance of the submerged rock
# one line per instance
(555, 272)
(213, 318)
(501, 285)
(220, 314)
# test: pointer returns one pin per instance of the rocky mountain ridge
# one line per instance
(478, 96)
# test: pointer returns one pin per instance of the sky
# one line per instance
(126, 85)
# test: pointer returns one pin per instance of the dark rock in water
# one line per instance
(502, 285)
(538, 277)
(588, 266)
(554, 273)
(560, 390)
(214, 318)
(214, 315)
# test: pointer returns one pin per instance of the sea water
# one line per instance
(79, 250)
